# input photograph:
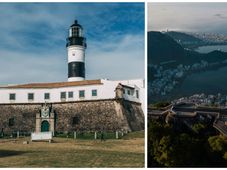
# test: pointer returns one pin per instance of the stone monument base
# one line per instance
(38, 136)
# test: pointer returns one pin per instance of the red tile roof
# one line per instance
(56, 84)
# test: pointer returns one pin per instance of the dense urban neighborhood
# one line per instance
(192, 40)
(165, 80)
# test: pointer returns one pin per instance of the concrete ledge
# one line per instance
(65, 102)
(38, 136)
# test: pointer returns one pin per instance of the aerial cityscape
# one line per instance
(187, 87)
(167, 75)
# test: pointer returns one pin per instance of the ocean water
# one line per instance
(210, 48)
(208, 82)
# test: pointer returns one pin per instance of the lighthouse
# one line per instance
(76, 45)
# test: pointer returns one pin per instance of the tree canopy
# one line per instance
(168, 147)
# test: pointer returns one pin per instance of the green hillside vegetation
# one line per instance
(168, 147)
(162, 48)
(159, 105)
(186, 40)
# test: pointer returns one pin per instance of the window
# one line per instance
(11, 121)
(123, 91)
(81, 93)
(94, 92)
(12, 96)
(30, 96)
(76, 120)
(137, 94)
(63, 95)
(70, 94)
(46, 96)
(76, 31)
(129, 92)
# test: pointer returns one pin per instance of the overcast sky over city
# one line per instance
(193, 17)
(33, 39)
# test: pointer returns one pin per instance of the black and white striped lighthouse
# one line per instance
(76, 45)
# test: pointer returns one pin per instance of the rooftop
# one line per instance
(55, 85)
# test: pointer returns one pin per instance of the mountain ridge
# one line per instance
(163, 48)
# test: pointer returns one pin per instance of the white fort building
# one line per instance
(28, 98)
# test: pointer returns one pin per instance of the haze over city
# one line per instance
(192, 17)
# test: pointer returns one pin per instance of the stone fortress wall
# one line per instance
(109, 115)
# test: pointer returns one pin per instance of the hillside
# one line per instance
(162, 48)
(186, 40)
(165, 56)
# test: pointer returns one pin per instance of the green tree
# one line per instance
(216, 143)
(199, 128)
(225, 156)
(170, 147)
(161, 104)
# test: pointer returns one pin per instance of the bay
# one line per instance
(210, 48)
(208, 82)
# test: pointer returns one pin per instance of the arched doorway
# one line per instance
(45, 126)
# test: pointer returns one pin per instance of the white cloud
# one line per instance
(125, 59)
(20, 68)
(116, 55)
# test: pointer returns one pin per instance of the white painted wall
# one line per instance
(104, 91)
(76, 53)
(137, 84)
(76, 79)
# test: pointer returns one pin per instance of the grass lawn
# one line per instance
(67, 152)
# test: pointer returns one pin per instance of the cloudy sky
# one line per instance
(33, 38)
(198, 17)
